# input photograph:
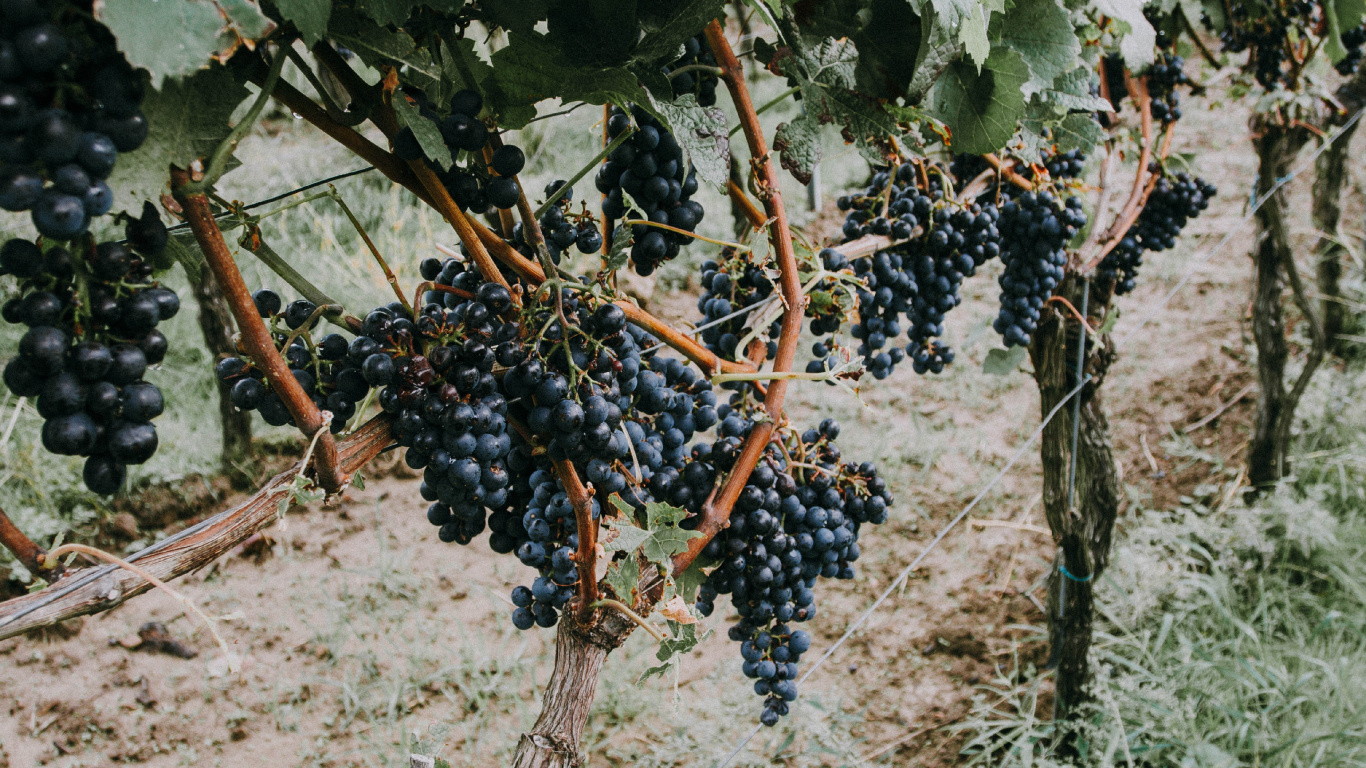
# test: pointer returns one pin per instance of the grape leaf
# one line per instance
(172, 38)
(1041, 32)
(826, 73)
(662, 537)
(982, 109)
(798, 144)
(622, 576)
(427, 133)
(683, 20)
(622, 240)
(1072, 91)
(528, 71)
(310, 16)
(684, 638)
(704, 136)
(1137, 44)
(186, 119)
(388, 12)
(976, 43)
(1003, 362)
(1077, 131)
(378, 46)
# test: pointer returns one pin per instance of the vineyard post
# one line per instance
(1276, 145)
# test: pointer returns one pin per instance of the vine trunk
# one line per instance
(1276, 146)
(216, 323)
(1081, 521)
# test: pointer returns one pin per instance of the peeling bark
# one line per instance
(1081, 529)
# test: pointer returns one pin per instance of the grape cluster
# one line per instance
(790, 526)
(1173, 202)
(920, 278)
(1164, 75)
(86, 352)
(69, 104)
(729, 286)
(562, 228)
(328, 370)
(700, 83)
(476, 185)
(1353, 40)
(1065, 165)
(1035, 230)
(1263, 33)
(651, 169)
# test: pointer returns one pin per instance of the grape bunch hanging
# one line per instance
(86, 351)
(698, 82)
(1173, 202)
(647, 178)
(69, 104)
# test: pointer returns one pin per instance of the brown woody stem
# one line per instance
(22, 547)
(716, 515)
(255, 336)
(586, 558)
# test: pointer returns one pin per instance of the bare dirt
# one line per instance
(362, 636)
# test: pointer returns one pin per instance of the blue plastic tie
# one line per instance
(1063, 570)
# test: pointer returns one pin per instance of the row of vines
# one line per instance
(634, 467)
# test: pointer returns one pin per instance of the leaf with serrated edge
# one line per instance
(661, 539)
(1137, 45)
(622, 576)
(982, 109)
(1072, 91)
(168, 38)
(1041, 32)
(973, 36)
(427, 133)
(186, 120)
(309, 16)
(798, 144)
(685, 19)
(704, 136)
(1003, 362)
(246, 18)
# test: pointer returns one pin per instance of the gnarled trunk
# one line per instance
(580, 651)
(1331, 172)
(215, 321)
(1081, 525)
(1276, 147)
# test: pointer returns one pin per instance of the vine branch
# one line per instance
(255, 336)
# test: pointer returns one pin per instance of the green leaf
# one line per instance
(1072, 91)
(683, 20)
(826, 75)
(186, 120)
(798, 144)
(622, 240)
(1041, 32)
(982, 109)
(515, 15)
(358, 481)
(1003, 362)
(1107, 325)
(388, 12)
(622, 576)
(689, 580)
(662, 537)
(310, 16)
(1077, 131)
(427, 132)
(973, 36)
(378, 47)
(704, 136)
(528, 71)
(1138, 44)
(172, 38)
(684, 639)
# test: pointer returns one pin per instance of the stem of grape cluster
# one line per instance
(29, 554)
(647, 223)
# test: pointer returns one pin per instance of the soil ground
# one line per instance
(365, 637)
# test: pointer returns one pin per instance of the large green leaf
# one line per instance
(684, 20)
(1071, 91)
(1041, 32)
(704, 136)
(528, 70)
(172, 38)
(309, 16)
(826, 74)
(186, 120)
(379, 46)
(659, 540)
(982, 109)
